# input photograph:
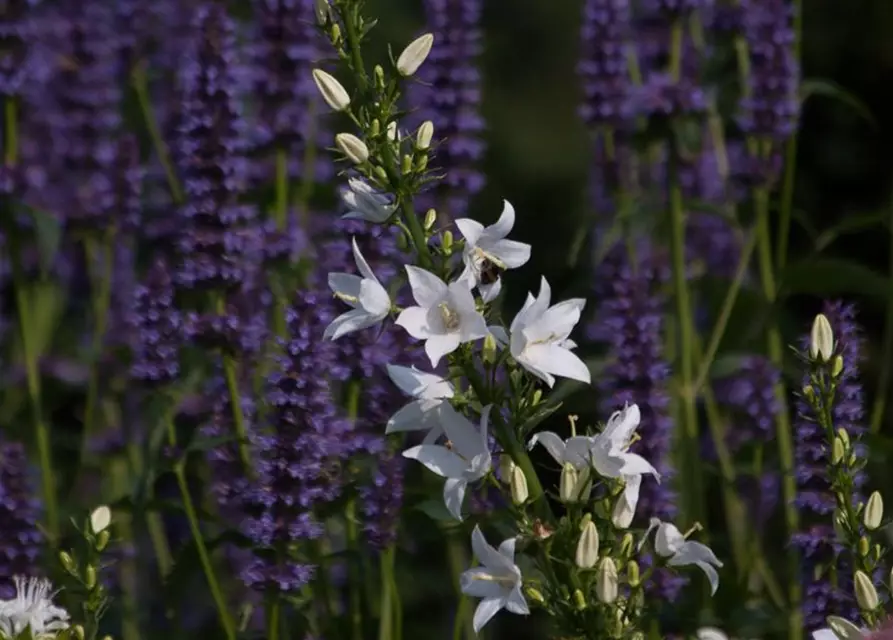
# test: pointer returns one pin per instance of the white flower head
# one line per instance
(430, 392)
(488, 249)
(465, 458)
(365, 203)
(445, 315)
(670, 543)
(368, 297)
(540, 337)
(497, 581)
(609, 453)
(32, 607)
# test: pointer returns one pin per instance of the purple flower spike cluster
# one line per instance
(157, 326)
(449, 95)
(219, 244)
(19, 513)
(826, 594)
(603, 64)
(772, 107)
(300, 459)
(16, 31)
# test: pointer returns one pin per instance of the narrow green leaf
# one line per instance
(833, 276)
(853, 223)
(829, 89)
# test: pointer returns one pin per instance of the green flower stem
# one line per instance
(790, 159)
(235, 398)
(386, 608)
(31, 357)
(725, 313)
(880, 398)
(98, 254)
(120, 476)
(352, 35)
(783, 432)
(141, 86)
(354, 390)
(396, 600)
(273, 609)
(280, 212)
(226, 621)
(304, 192)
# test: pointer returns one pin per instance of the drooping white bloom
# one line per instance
(625, 507)
(497, 580)
(32, 606)
(100, 519)
(489, 247)
(465, 458)
(430, 392)
(609, 453)
(369, 299)
(839, 629)
(540, 337)
(670, 543)
(445, 315)
(366, 203)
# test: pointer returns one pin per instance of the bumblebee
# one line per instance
(489, 271)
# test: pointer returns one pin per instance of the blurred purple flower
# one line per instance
(158, 328)
(19, 511)
(603, 62)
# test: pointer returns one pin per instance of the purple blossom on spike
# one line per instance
(157, 325)
(16, 32)
(449, 95)
(822, 595)
(603, 65)
(219, 243)
(300, 459)
(19, 511)
(771, 106)
(662, 97)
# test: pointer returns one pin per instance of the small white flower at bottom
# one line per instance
(670, 543)
(32, 607)
(497, 581)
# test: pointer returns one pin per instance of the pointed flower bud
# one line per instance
(447, 242)
(100, 519)
(606, 583)
(354, 148)
(844, 629)
(864, 546)
(837, 451)
(414, 55)
(430, 219)
(837, 366)
(67, 561)
(518, 486)
(333, 92)
(874, 512)
(90, 577)
(506, 466)
(633, 574)
(321, 10)
(534, 594)
(102, 540)
(567, 487)
(579, 600)
(821, 339)
(587, 547)
(79, 632)
(866, 594)
(488, 351)
(424, 135)
(626, 545)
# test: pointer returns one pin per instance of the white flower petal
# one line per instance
(634, 464)
(558, 361)
(362, 265)
(668, 540)
(516, 602)
(437, 346)
(470, 229)
(553, 444)
(438, 459)
(511, 253)
(478, 583)
(507, 548)
(453, 495)
(712, 576)
(578, 451)
(462, 433)
(485, 553)
(353, 320)
(499, 334)
(622, 425)
(415, 416)
(415, 321)
(346, 284)
(504, 225)
(489, 292)
(486, 609)
(427, 288)
(557, 322)
(374, 298)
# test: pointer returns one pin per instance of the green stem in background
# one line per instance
(280, 212)
(386, 608)
(783, 433)
(352, 402)
(32, 359)
(417, 234)
(304, 192)
(235, 398)
(458, 564)
(883, 385)
(127, 570)
(790, 159)
(226, 621)
(141, 86)
(725, 313)
(273, 609)
(99, 257)
(396, 600)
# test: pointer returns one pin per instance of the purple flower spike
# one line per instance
(19, 512)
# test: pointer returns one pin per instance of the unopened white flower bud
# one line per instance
(321, 9)
(414, 55)
(837, 451)
(333, 92)
(518, 486)
(866, 594)
(587, 547)
(606, 583)
(506, 465)
(430, 219)
(424, 135)
(567, 486)
(844, 629)
(392, 131)
(821, 339)
(874, 511)
(100, 519)
(351, 146)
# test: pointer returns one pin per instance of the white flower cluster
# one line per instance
(32, 608)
